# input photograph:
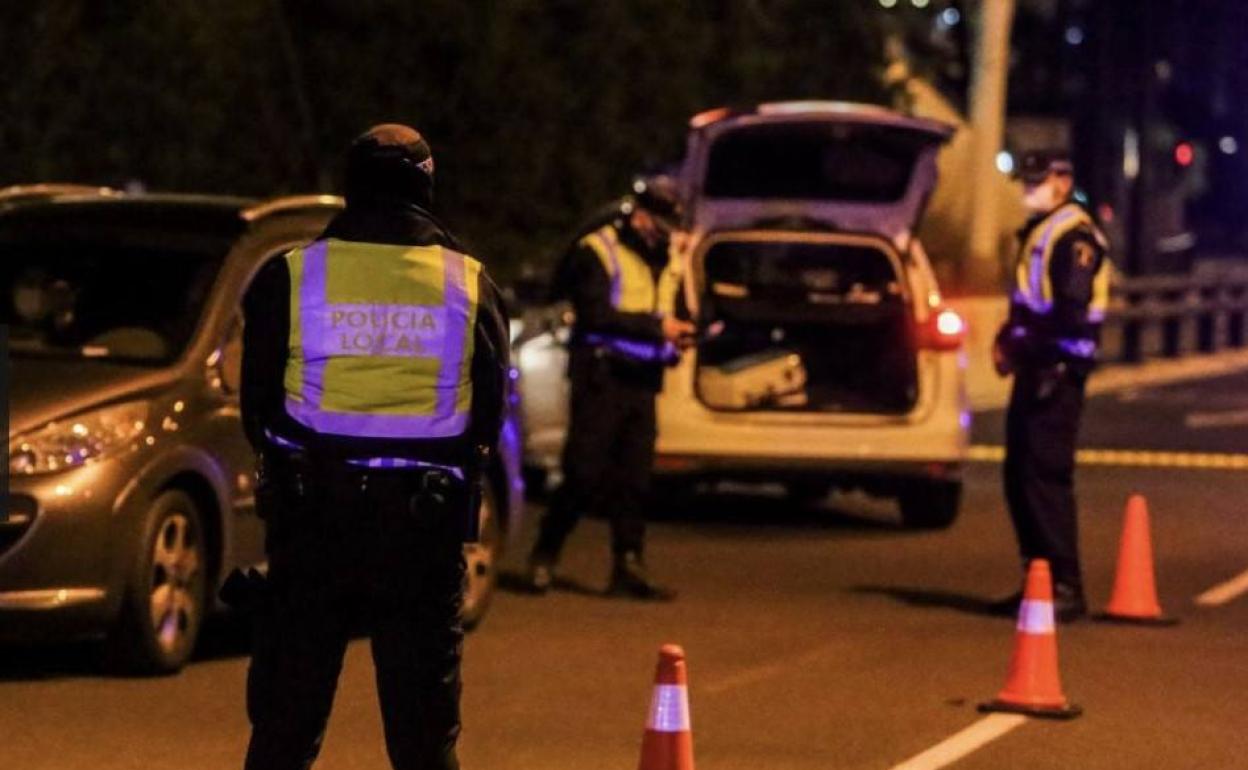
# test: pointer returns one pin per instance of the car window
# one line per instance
(133, 295)
(813, 161)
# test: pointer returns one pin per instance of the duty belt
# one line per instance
(633, 350)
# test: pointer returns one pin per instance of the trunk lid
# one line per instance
(811, 165)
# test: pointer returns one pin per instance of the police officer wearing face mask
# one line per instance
(374, 365)
(623, 287)
(1049, 344)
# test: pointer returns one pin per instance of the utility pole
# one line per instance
(981, 272)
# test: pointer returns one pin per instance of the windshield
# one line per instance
(130, 295)
(813, 161)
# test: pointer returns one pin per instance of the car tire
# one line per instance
(481, 562)
(163, 601)
(931, 504)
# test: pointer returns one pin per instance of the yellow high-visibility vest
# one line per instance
(381, 339)
(1033, 286)
(633, 287)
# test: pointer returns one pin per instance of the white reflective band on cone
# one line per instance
(1035, 617)
(669, 709)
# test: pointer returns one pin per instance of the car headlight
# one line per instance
(78, 440)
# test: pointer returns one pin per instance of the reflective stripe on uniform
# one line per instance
(381, 337)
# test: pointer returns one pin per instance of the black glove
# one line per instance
(1003, 352)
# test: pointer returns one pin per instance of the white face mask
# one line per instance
(1040, 199)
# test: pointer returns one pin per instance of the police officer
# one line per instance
(1049, 343)
(374, 366)
(623, 286)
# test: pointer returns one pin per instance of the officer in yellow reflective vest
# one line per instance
(374, 369)
(623, 282)
(1049, 343)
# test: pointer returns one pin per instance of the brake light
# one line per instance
(944, 330)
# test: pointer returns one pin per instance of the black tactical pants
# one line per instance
(348, 552)
(607, 460)
(1042, 427)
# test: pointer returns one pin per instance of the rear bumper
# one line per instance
(936, 433)
(866, 474)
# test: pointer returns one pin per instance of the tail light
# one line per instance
(943, 330)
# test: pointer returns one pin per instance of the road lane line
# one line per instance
(1132, 458)
(962, 743)
(761, 673)
(1198, 420)
(1224, 592)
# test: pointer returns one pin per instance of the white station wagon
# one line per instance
(833, 362)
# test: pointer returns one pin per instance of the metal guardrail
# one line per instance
(1170, 316)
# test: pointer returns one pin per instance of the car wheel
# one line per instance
(930, 505)
(481, 562)
(163, 604)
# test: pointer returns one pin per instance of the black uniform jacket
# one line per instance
(582, 280)
(266, 332)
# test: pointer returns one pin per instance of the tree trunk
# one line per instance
(988, 89)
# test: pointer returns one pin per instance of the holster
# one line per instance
(244, 591)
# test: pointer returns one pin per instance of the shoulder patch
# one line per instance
(1085, 254)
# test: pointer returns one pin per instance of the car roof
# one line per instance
(45, 190)
(845, 112)
(208, 212)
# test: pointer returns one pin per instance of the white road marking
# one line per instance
(962, 743)
(1233, 417)
(1134, 458)
(761, 673)
(1224, 592)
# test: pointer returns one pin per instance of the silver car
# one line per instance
(131, 479)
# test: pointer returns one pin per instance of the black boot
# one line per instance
(539, 576)
(629, 579)
(1068, 602)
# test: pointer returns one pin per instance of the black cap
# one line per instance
(659, 196)
(392, 142)
(1036, 165)
(390, 160)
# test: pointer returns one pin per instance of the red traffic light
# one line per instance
(1184, 154)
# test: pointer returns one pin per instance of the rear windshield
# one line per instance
(106, 285)
(813, 161)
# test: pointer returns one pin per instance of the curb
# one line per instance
(1114, 378)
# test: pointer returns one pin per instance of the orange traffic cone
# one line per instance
(668, 741)
(1033, 686)
(1135, 589)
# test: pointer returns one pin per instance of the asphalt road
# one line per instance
(817, 638)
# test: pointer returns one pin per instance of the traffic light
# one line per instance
(1184, 154)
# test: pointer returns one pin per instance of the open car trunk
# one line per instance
(810, 323)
